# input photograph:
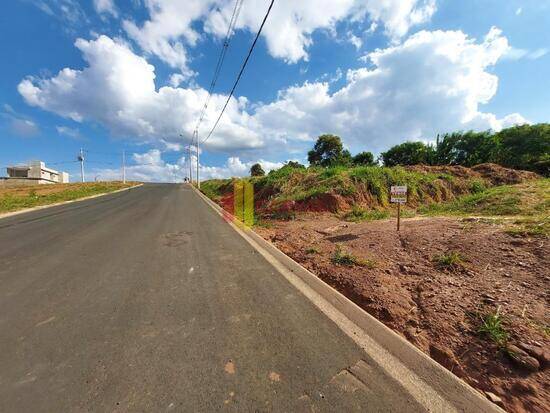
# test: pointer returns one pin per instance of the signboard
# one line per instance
(398, 194)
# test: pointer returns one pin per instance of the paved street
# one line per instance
(146, 300)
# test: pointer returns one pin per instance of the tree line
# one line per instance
(519, 147)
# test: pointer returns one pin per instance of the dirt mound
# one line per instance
(498, 175)
(454, 170)
(495, 174)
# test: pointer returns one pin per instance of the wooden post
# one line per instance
(398, 215)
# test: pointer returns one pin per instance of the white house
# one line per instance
(34, 173)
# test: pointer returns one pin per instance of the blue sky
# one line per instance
(114, 75)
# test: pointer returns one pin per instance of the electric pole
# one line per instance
(123, 166)
(198, 178)
(81, 159)
(190, 164)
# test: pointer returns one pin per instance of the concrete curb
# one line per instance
(436, 388)
(37, 208)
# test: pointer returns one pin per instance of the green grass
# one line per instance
(347, 259)
(13, 199)
(530, 227)
(532, 198)
(367, 187)
(368, 183)
(359, 214)
(449, 260)
(492, 327)
(312, 250)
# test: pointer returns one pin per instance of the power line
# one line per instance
(241, 71)
(221, 58)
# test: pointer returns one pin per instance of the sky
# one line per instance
(110, 76)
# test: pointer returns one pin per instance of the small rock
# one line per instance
(522, 264)
(522, 359)
(539, 353)
(494, 398)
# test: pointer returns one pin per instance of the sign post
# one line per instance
(398, 195)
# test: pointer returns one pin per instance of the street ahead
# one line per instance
(146, 300)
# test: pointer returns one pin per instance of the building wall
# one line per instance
(9, 182)
(38, 173)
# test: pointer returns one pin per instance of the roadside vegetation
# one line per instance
(462, 174)
(493, 328)
(16, 198)
(527, 205)
(450, 260)
(342, 257)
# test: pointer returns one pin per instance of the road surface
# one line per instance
(146, 300)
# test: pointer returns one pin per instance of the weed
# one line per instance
(477, 186)
(347, 259)
(530, 227)
(491, 326)
(449, 260)
(312, 250)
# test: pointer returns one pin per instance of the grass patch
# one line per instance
(531, 227)
(531, 198)
(312, 250)
(359, 214)
(347, 259)
(449, 260)
(13, 199)
(492, 327)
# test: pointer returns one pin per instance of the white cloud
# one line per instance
(24, 127)
(69, 11)
(70, 132)
(150, 167)
(19, 124)
(291, 23)
(117, 89)
(170, 21)
(354, 40)
(234, 167)
(434, 82)
(106, 7)
(176, 79)
(516, 53)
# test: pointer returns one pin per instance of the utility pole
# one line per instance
(189, 159)
(190, 164)
(198, 150)
(123, 166)
(81, 159)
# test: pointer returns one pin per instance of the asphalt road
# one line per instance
(146, 300)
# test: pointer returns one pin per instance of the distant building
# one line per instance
(32, 174)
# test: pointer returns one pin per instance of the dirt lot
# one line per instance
(408, 281)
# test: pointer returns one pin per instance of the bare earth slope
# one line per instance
(440, 310)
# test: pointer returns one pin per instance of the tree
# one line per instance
(257, 170)
(364, 159)
(328, 151)
(465, 148)
(408, 153)
(294, 164)
(525, 147)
